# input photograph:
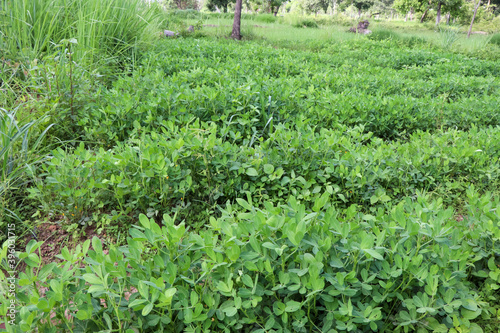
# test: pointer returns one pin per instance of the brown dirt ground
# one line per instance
(55, 238)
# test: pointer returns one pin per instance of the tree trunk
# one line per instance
(438, 13)
(225, 9)
(448, 19)
(473, 17)
(424, 15)
(406, 17)
(359, 13)
(276, 11)
(236, 34)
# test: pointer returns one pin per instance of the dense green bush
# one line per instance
(266, 18)
(188, 14)
(495, 39)
(353, 187)
(101, 28)
(21, 145)
(383, 34)
(306, 23)
(414, 41)
(337, 19)
(95, 38)
(196, 167)
(397, 94)
(405, 267)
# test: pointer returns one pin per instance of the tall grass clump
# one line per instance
(449, 35)
(305, 23)
(495, 39)
(383, 34)
(266, 18)
(103, 28)
(19, 151)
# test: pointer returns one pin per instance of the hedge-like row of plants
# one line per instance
(410, 266)
(392, 93)
(196, 167)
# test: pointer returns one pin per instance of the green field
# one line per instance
(299, 180)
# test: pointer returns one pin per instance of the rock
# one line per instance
(363, 25)
(479, 32)
(362, 28)
(169, 33)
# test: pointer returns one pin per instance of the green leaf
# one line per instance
(137, 302)
(475, 328)
(97, 245)
(269, 323)
(268, 168)
(233, 251)
(374, 254)
(144, 221)
(96, 288)
(143, 289)
(244, 204)
(194, 298)
(320, 202)
(469, 304)
(292, 306)
(42, 304)
(247, 280)
(468, 314)
(223, 287)
(252, 172)
(251, 266)
(92, 278)
(108, 321)
(278, 308)
(82, 315)
(230, 311)
(147, 309)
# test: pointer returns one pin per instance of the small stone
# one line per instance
(362, 28)
(169, 33)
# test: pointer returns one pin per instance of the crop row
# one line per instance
(284, 268)
(234, 85)
(197, 167)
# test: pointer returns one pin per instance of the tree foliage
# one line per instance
(314, 6)
(361, 5)
(212, 5)
(275, 5)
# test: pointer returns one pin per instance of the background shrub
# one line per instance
(266, 18)
(495, 39)
(306, 23)
(383, 34)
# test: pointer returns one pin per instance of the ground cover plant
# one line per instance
(311, 184)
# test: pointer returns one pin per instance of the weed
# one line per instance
(495, 39)
(382, 34)
(449, 35)
(305, 23)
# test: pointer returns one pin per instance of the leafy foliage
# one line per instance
(353, 187)
(281, 268)
(383, 34)
(305, 23)
(495, 39)
(400, 92)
